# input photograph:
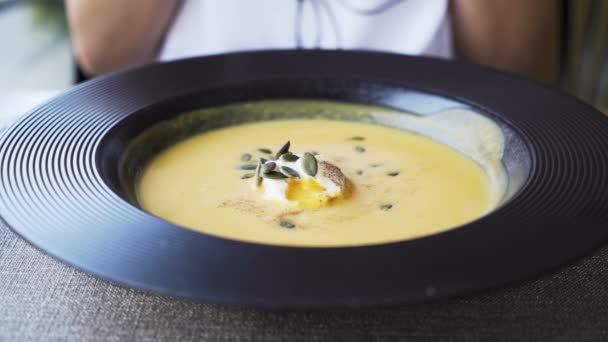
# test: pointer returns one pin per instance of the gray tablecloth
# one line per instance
(43, 299)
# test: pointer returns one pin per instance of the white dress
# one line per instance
(206, 27)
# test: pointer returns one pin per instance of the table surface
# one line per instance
(43, 299)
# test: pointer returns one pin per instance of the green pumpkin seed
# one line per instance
(264, 150)
(309, 163)
(289, 157)
(290, 172)
(375, 165)
(283, 150)
(258, 177)
(357, 138)
(287, 224)
(247, 175)
(386, 207)
(248, 167)
(245, 157)
(393, 174)
(359, 172)
(274, 175)
(360, 149)
(269, 166)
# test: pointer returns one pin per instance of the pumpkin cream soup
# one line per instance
(334, 183)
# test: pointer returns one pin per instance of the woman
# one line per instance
(519, 36)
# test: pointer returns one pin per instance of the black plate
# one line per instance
(60, 179)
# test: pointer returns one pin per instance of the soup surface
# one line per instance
(403, 185)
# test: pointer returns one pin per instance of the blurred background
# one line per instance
(36, 52)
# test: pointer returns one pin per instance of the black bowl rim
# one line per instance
(50, 188)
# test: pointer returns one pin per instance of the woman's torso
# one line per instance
(204, 27)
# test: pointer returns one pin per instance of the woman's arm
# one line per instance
(110, 35)
(520, 36)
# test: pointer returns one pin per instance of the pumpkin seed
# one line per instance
(393, 174)
(386, 207)
(264, 150)
(290, 172)
(247, 175)
(360, 149)
(287, 224)
(274, 175)
(375, 165)
(245, 157)
(357, 138)
(248, 167)
(309, 163)
(283, 150)
(258, 177)
(290, 157)
(359, 172)
(269, 166)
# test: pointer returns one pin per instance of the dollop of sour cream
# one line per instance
(306, 190)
